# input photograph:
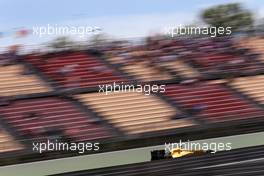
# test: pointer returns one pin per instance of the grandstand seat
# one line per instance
(87, 71)
(219, 102)
(8, 143)
(144, 73)
(251, 86)
(184, 70)
(218, 58)
(50, 113)
(256, 44)
(14, 82)
(133, 112)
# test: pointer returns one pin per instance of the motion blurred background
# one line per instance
(49, 86)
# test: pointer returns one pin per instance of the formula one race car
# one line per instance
(177, 153)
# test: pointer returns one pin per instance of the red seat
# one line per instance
(52, 112)
(85, 70)
(220, 103)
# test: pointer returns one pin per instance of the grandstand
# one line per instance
(212, 89)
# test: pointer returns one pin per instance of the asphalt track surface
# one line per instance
(178, 168)
(244, 161)
(56, 166)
